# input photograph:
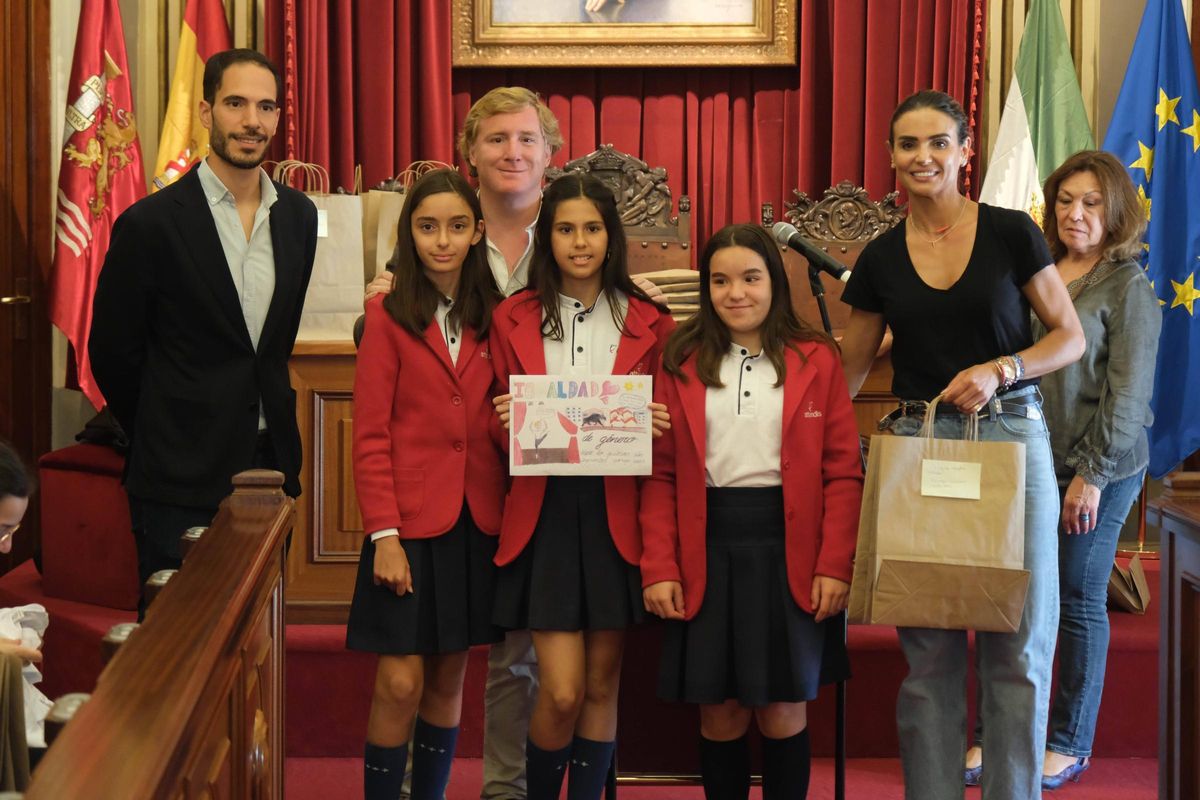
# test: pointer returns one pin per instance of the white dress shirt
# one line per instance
(743, 422)
(251, 261)
(590, 338)
(511, 283)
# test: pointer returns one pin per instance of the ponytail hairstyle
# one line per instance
(414, 298)
(706, 334)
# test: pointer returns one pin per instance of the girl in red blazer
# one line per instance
(569, 546)
(430, 480)
(750, 518)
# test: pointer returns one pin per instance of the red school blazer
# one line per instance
(517, 349)
(819, 462)
(425, 434)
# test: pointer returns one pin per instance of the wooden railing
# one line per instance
(191, 705)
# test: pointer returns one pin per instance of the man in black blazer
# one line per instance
(195, 314)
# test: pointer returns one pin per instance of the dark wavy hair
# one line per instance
(544, 277)
(16, 480)
(706, 335)
(1124, 217)
(414, 299)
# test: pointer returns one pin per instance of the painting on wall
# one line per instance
(576, 33)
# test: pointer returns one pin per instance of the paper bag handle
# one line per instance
(972, 434)
(315, 177)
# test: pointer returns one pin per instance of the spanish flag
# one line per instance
(184, 140)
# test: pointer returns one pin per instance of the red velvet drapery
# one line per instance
(375, 86)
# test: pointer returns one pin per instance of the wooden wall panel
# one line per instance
(328, 532)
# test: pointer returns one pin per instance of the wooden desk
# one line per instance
(1179, 651)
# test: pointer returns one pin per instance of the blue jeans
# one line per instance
(1084, 564)
(1013, 668)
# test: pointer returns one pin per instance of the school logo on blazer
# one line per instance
(485, 353)
(811, 411)
(638, 368)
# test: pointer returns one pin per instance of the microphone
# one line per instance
(787, 235)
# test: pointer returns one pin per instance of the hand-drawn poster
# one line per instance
(580, 425)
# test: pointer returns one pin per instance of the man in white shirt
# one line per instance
(195, 314)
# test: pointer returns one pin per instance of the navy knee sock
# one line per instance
(544, 771)
(433, 752)
(383, 771)
(589, 768)
(725, 769)
(786, 764)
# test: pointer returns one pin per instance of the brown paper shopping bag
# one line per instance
(335, 291)
(863, 583)
(949, 540)
(382, 207)
(1127, 587)
(381, 212)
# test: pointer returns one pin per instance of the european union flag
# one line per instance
(1155, 131)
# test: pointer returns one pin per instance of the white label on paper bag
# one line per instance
(959, 479)
(322, 223)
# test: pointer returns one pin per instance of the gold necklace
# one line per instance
(945, 231)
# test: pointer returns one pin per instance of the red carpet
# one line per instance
(877, 779)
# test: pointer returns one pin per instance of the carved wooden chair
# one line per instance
(658, 239)
(841, 223)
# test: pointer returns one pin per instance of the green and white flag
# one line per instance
(1043, 120)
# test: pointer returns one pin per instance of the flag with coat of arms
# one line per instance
(100, 175)
(1155, 131)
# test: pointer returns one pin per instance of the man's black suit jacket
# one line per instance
(171, 353)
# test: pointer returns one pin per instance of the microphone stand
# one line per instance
(839, 725)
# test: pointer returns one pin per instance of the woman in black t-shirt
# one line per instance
(955, 282)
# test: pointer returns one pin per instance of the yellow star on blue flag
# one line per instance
(1165, 110)
(1186, 293)
(1164, 163)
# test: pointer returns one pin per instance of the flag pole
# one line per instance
(1147, 551)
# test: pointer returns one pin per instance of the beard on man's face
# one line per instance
(219, 143)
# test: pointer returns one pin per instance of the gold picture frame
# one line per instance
(478, 41)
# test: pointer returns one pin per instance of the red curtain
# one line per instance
(365, 83)
(380, 91)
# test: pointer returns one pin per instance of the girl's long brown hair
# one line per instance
(414, 299)
(544, 277)
(706, 335)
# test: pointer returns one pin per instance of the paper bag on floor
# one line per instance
(949, 532)
(1127, 587)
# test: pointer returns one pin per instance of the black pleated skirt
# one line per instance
(450, 607)
(570, 576)
(749, 642)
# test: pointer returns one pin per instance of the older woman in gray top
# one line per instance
(1097, 410)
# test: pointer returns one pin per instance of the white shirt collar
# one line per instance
(215, 190)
